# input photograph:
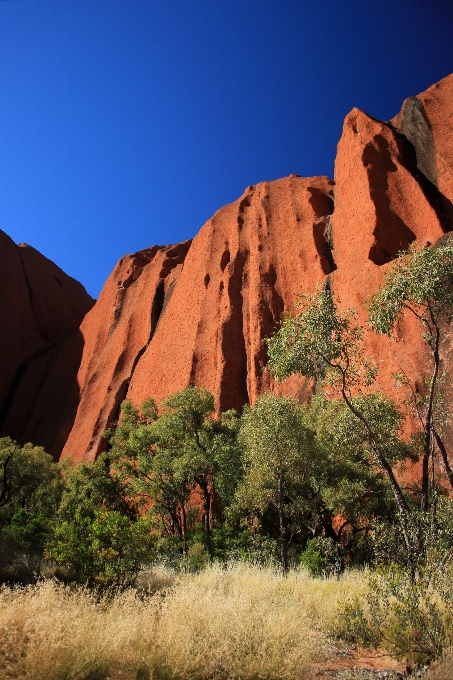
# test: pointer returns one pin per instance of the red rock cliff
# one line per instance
(198, 312)
(41, 309)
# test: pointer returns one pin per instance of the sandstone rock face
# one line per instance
(383, 202)
(115, 334)
(40, 307)
(244, 268)
(197, 313)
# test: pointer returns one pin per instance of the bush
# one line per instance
(322, 557)
(30, 491)
(105, 549)
(409, 618)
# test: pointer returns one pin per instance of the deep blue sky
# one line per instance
(125, 123)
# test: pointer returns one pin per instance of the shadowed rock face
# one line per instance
(198, 312)
(41, 307)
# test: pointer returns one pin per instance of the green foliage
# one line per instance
(90, 485)
(197, 557)
(353, 483)
(318, 341)
(104, 548)
(206, 448)
(280, 458)
(410, 618)
(30, 490)
(354, 494)
(166, 457)
(278, 447)
(239, 543)
(322, 556)
(98, 537)
(338, 427)
(420, 281)
(433, 529)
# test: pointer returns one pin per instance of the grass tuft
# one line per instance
(242, 621)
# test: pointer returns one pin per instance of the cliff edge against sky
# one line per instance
(198, 312)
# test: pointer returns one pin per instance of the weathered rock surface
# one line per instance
(40, 307)
(244, 268)
(383, 202)
(116, 333)
(197, 313)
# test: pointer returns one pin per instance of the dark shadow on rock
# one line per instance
(43, 400)
(234, 392)
(391, 233)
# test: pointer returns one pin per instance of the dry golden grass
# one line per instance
(239, 622)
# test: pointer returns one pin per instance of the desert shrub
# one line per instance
(105, 549)
(98, 537)
(196, 559)
(410, 618)
(322, 556)
(243, 545)
(434, 530)
(30, 491)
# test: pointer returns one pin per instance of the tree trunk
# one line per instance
(445, 459)
(184, 529)
(405, 514)
(428, 427)
(4, 495)
(206, 514)
(282, 526)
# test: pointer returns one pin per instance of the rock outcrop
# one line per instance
(198, 312)
(383, 202)
(116, 333)
(41, 309)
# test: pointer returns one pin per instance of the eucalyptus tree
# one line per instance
(151, 468)
(205, 449)
(320, 341)
(168, 457)
(279, 459)
(420, 283)
(351, 484)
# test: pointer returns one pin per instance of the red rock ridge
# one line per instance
(385, 200)
(116, 333)
(245, 267)
(198, 313)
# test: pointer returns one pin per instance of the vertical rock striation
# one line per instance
(116, 333)
(198, 312)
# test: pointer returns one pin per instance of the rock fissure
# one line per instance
(39, 325)
(17, 380)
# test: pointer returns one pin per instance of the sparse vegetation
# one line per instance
(241, 621)
(286, 533)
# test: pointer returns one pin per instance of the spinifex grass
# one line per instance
(239, 622)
